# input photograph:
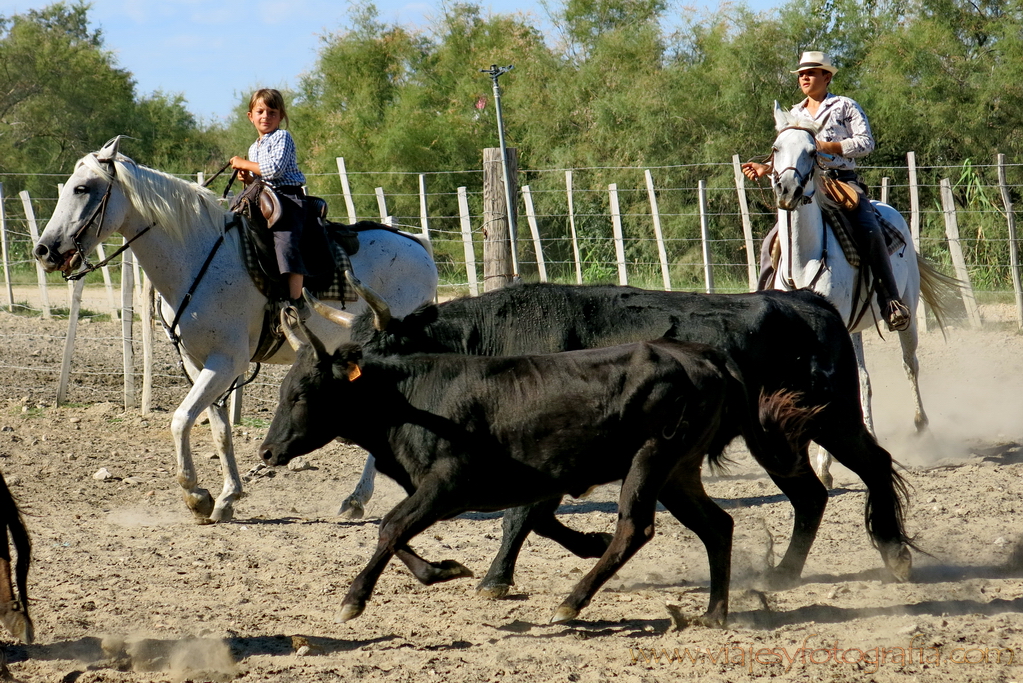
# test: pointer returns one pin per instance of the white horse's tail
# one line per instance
(938, 290)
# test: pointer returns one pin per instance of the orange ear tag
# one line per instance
(354, 372)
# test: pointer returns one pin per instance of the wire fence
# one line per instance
(697, 207)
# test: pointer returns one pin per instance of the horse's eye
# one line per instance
(81, 189)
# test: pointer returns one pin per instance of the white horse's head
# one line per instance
(107, 193)
(794, 156)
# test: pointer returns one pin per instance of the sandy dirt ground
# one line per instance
(125, 587)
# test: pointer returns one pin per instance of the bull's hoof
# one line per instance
(200, 502)
(349, 612)
(710, 620)
(899, 561)
(18, 623)
(493, 591)
(778, 579)
(447, 570)
(563, 614)
(352, 508)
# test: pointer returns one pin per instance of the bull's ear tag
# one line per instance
(354, 372)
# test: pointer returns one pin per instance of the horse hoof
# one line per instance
(493, 591)
(564, 613)
(351, 509)
(899, 561)
(200, 502)
(349, 612)
(222, 514)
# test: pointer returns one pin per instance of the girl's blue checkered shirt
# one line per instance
(278, 162)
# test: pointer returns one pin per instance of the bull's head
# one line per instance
(313, 394)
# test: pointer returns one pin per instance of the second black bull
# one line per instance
(779, 341)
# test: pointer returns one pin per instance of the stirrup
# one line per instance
(897, 315)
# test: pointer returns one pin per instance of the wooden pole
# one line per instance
(346, 190)
(127, 316)
(956, 249)
(619, 236)
(33, 230)
(69, 341)
(655, 214)
(382, 205)
(708, 272)
(752, 255)
(1010, 217)
(884, 190)
(498, 230)
(571, 225)
(3, 246)
(108, 283)
(148, 296)
(914, 229)
(424, 215)
(534, 230)
(470, 253)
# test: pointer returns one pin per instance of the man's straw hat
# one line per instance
(815, 60)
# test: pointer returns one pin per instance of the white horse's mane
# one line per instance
(177, 206)
(786, 119)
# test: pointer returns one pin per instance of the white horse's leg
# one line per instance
(354, 506)
(220, 425)
(208, 385)
(909, 340)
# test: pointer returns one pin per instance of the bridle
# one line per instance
(101, 211)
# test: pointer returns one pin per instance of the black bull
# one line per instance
(466, 433)
(780, 341)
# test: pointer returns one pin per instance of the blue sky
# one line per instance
(214, 53)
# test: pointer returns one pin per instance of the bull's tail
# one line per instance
(17, 619)
(775, 433)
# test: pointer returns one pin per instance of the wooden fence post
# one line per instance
(708, 270)
(69, 341)
(656, 215)
(33, 231)
(956, 250)
(534, 229)
(914, 229)
(424, 216)
(3, 246)
(470, 253)
(382, 205)
(571, 225)
(616, 230)
(884, 190)
(148, 295)
(499, 229)
(127, 318)
(346, 190)
(752, 254)
(1010, 217)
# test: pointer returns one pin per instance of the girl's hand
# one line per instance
(755, 171)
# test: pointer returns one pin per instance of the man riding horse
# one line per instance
(844, 136)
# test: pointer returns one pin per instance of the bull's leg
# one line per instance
(210, 383)
(430, 573)
(408, 518)
(636, 507)
(516, 526)
(354, 506)
(686, 499)
(851, 444)
(809, 498)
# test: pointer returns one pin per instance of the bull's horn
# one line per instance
(381, 311)
(287, 314)
(342, 318)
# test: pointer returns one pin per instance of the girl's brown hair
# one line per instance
(272, 98)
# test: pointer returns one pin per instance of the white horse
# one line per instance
(174, 227)
(812, 258)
